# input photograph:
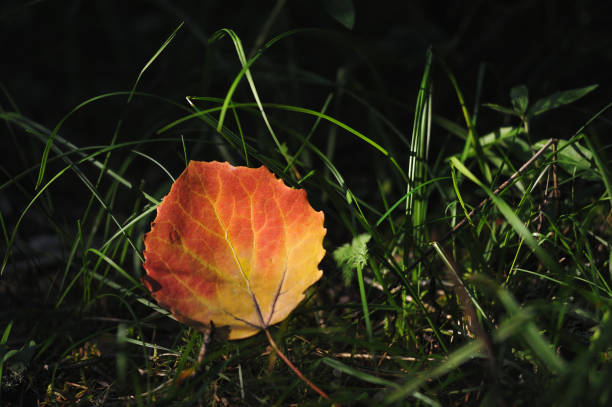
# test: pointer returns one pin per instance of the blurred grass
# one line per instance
(513, 310)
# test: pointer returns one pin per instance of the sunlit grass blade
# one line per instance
(114, 265)
(245, 71)
(205, 114)
(153, 58)
(416, 204)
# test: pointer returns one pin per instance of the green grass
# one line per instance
(511, 308)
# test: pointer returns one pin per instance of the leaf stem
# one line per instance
(292, 366)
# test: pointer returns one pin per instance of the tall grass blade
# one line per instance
(416, 204)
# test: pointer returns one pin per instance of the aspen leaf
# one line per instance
(232, 245)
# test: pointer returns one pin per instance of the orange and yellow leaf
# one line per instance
(232, 245)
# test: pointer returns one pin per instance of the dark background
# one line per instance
(56, 54)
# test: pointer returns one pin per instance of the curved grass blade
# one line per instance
(47, 150)
(245, 71)
(153, 58)
(293, 109)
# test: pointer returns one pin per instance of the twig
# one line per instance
(556, 194)
(368, 356)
